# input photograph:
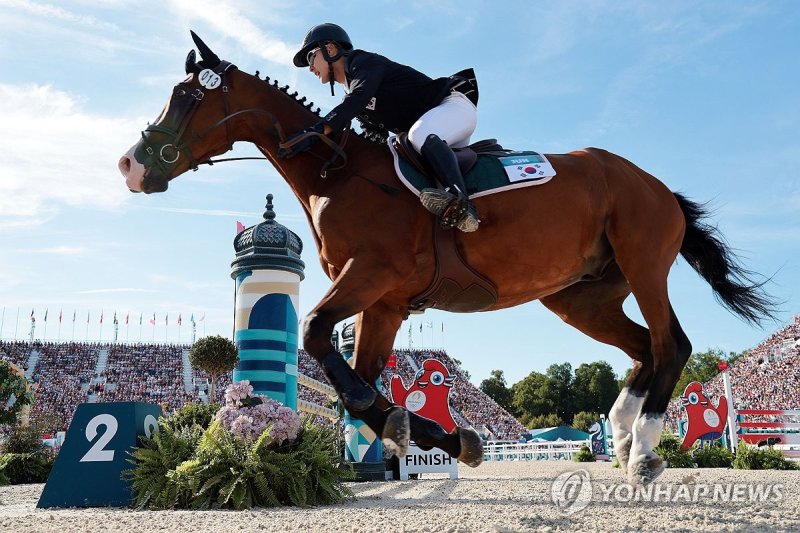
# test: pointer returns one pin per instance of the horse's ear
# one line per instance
(191, 63)
(209, 58)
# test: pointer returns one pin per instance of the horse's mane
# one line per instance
(294, 95)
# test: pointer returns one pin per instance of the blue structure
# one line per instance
(267, 272)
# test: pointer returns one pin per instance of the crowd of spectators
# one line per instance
(145, 373)
(16, 352)
(765, 377)
(65, 377)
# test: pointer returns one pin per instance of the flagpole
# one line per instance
(74, 314)
(58, 339)
(88, 314)
(16, 327)
(44, 335)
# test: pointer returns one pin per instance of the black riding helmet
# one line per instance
(317, 37)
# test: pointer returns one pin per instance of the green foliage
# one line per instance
(214, 355)
(544, 421)
(701, 367)
(715, 456)
(670, 450)
(215, 469)
(496, 389)
(155, 459)
(559, 390)
(531, 397)
(595, 387)
(752, 458)
(585, 455)
(583, 420)
(192, 414)
(22, 439)
(13, 383)
(18, 468)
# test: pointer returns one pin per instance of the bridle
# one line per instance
(166, 157)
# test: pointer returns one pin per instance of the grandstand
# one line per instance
(67, 374)
(766, 377)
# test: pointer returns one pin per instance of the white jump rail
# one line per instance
(314, 409)
(533, 451)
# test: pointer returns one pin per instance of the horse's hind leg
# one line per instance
(645, 249)
(595, 308)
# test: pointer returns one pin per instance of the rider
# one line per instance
(389, 97)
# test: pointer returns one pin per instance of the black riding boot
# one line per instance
(452, 203)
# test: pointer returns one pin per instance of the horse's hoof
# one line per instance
(644, 470)
(397, 432)
(471, 447)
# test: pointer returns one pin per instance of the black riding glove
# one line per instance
(304, 145)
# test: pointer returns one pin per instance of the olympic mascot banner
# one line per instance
(428, 396)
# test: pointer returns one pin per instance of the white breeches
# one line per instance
(454, 121)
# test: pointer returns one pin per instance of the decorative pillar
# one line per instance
(267, 272)
(361, 445)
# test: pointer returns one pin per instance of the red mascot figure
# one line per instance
(428, 395)
(706, 422)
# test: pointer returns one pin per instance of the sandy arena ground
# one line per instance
(499, 496)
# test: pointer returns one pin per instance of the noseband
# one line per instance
(166, 157)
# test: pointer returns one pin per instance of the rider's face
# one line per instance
(317, 64)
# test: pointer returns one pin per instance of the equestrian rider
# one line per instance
(389, 97)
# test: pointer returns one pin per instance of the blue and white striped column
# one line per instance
(266, 333)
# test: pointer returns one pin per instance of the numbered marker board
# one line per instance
(87, 470)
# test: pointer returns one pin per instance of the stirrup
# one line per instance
(436, 200)
(453, 211)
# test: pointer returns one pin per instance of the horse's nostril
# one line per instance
(125, 165)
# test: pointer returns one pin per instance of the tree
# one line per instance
(215, 356)
(545, 421)
(624, 381)
(701, 367)
(496, 389)
(595, 387)
(559, 390)
(584, 420)
(530, 396)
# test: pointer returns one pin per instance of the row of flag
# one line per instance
(426, 324)
(151, 321)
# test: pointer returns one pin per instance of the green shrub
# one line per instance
(19, 468)
(714, 456)
(752, 458)
(192, 414)
(670, 450)
(585, 455)
(23, 439)
(216, 469)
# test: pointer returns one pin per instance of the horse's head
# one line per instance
(190, 130)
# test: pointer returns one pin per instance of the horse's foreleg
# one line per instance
(376, 328)
(355, 289)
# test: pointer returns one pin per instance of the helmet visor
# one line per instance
(312, 55)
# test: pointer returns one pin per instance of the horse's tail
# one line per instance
(734, 286)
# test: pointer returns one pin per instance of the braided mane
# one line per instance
(373, 138)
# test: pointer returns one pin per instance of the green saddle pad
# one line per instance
(489, 175)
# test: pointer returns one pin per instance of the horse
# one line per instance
(601, 230)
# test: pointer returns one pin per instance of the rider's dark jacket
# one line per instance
(385, 96)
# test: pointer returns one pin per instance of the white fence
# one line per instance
(532, 451)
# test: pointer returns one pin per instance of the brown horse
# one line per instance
(581, 244)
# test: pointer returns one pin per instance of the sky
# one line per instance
(703, 95)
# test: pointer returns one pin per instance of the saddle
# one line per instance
(467, 157)
(456, 286)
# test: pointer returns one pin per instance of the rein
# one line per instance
(169, 153)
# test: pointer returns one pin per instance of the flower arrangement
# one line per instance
(247, 415)
(254, 452)
(15, 392)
